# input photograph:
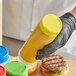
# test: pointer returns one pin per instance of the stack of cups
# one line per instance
(3, 55)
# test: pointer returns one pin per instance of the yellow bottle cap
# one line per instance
(50, 25)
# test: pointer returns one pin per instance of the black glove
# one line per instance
(69, 25)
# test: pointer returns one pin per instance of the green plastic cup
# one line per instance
(16, 68)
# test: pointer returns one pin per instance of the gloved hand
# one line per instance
(69, 25)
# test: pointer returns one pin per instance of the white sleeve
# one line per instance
(21, 16)
(17, 18)
(57, 7)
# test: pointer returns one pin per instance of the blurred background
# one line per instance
(21, 16)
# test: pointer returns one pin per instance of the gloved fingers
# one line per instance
(42, 53)
(50, 48)
(40, 56)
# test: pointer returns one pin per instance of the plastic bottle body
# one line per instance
(36, 41)
(44, 33)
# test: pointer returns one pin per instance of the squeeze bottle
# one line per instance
(16, 68)
(2, 71)
(4, 57)
(45, 32)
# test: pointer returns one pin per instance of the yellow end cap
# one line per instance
(50, 25)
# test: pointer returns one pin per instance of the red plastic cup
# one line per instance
(2, 71)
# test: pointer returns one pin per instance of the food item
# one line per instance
(3, 55)
(2, 71)
(16, 68)
(31, 68)
(54, 65)
(45, 32)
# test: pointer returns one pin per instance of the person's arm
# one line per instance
(73, 12)
(69, 25)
